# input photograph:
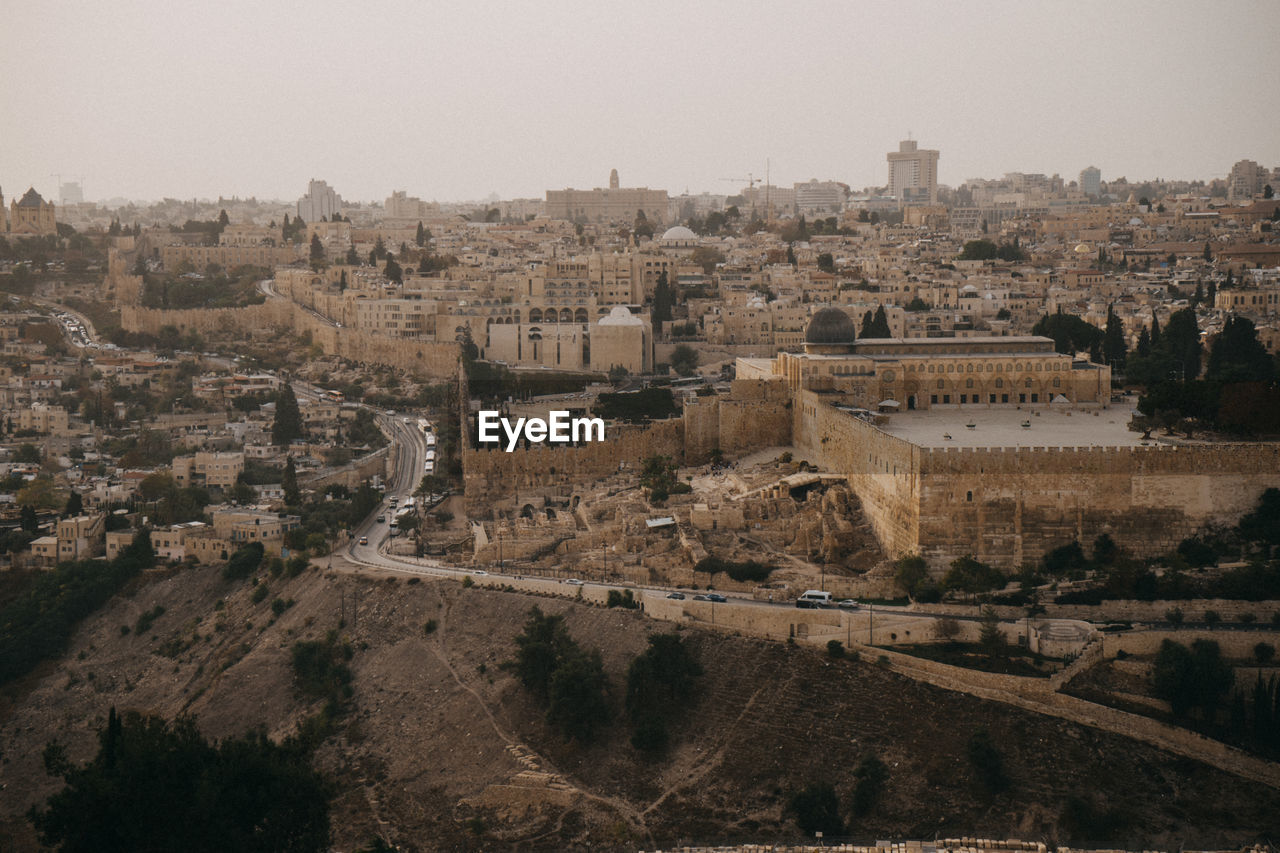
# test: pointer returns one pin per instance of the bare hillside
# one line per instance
(443, 750)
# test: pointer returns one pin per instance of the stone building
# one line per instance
(924, 373)
(32, 216)
(211, 470)
(613, 206)
(622, 339)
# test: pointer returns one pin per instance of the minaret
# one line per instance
(613, 179)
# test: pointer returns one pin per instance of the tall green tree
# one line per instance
(1114, 349)
(75, 505)
(288, 420)
(880, 325)
(289, 483)
(663, 299)
(1238, 356)
(392, 271)
(1181, 341)
(317, 252)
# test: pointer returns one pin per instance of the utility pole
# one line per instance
(871, 619)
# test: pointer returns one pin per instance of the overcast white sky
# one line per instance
(457, 100)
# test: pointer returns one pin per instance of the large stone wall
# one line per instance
(430, 358)
(1009, 506)
(492, 476)
(881, 469)
(757, 413)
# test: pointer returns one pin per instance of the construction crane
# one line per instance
(750, 180)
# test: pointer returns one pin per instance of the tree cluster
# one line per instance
(567, 680)
(738, 570)
(156, 785)
(36, 625)
(1192, 678)
(661, 682)
(986, 250)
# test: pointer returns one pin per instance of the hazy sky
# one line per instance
(457, 100)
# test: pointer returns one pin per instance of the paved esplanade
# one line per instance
(1043, 426)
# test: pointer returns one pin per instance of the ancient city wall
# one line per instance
(1010, 506)
(1234, 644)
(492, 475)
(208, 321)
(757, 413)
(881, 469)
(430, 358)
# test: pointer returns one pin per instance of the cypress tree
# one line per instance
(289, 482)
(288, 422)
(880, 325)
(1113, 345)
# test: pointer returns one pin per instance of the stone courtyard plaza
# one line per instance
(1045, 426)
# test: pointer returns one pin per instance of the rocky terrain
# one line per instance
(441, 749)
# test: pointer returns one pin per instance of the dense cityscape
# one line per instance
(583, 427)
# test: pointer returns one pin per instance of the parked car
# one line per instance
(716, 597)
(848, 604)
(573, 582)
(364, 540)
(700, 598)
(381, 519)
(678, 596)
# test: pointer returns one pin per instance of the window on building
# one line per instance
(1035, 398)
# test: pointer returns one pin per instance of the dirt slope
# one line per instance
(442, 750)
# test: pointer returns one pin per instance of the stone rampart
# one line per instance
(429, 358)
(1010, 505)
(1234, 644)
(757, 413)
(494, 475)
(881, 469)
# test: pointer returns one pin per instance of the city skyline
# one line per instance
(452, 105)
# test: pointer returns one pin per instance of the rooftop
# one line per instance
(1049, 426)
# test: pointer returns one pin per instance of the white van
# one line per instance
(814, 598)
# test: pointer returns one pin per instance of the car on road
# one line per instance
(429, 466)
(381, 519)
(480, 572)
(364, 540)
(390, 412)
(700, 598)
(573, 582)
(678, 596)
(848, 604)
(716, 597)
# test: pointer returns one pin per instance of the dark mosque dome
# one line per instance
(830, 326)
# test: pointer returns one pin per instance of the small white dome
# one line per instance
(679, 233)
(620, 316)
